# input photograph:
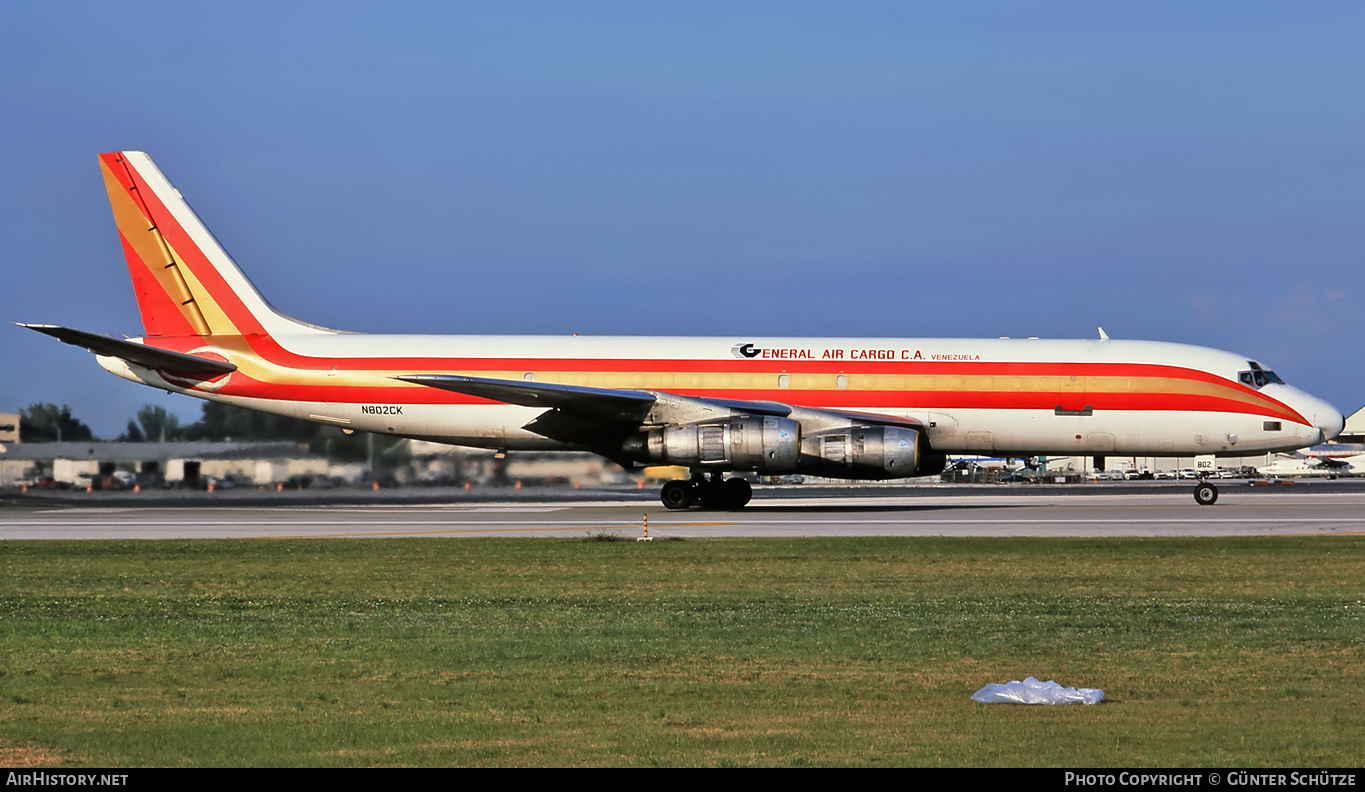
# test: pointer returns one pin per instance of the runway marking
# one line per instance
(1328, 515)
(222, 524)
(445, 531)
(759, 521)
(1080, 520)
(494, 530)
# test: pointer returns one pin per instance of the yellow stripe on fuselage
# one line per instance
(249, 363)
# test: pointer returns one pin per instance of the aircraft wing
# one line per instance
(140, 354)
(578, 413)
(875, 419)
(602, 403)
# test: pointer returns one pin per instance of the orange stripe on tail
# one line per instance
(186, 283)
(167, 304)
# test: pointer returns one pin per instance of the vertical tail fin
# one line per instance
(186, 284)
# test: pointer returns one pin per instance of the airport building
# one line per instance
(94, 463)
(101, 465)
(1354, 430)
(416, 463)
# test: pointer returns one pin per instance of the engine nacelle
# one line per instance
(868, 452)
(760, 443)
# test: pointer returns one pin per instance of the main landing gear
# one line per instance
(712, 493)
(1205, 494)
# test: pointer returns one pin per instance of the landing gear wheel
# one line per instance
(678, 494)
(1205, 494)
(738, 492)
(711, 494)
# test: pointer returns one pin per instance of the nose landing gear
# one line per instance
(1205, 494)
(712, 493)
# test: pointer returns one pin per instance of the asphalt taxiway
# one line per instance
(1061, 512)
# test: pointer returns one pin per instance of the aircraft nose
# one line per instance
(1329, 421)
(1322, 417)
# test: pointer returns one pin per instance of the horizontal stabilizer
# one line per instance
(133, 352)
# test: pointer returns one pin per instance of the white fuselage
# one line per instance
(1000, 396)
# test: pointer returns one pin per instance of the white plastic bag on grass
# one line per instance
(1031, 691)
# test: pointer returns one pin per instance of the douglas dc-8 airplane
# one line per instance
(865, 408)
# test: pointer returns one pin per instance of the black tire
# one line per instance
(1205, 494)
(738, 493)
(712, 495)
(678, 494)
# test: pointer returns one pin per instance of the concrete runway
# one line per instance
(1238, 513)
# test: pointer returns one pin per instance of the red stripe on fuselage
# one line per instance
(247, 387)
(272, 352)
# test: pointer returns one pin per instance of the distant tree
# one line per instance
(48, 423)
(132, 434)
(157, 424)
(226, 422)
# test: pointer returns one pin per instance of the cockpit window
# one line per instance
(1257, 377)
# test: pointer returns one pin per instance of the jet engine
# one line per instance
(868, 452)
(759, 443)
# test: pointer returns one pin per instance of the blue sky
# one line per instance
(1171, 171)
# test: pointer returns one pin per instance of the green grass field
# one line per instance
(781, 652)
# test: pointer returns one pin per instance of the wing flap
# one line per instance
(877, 419)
